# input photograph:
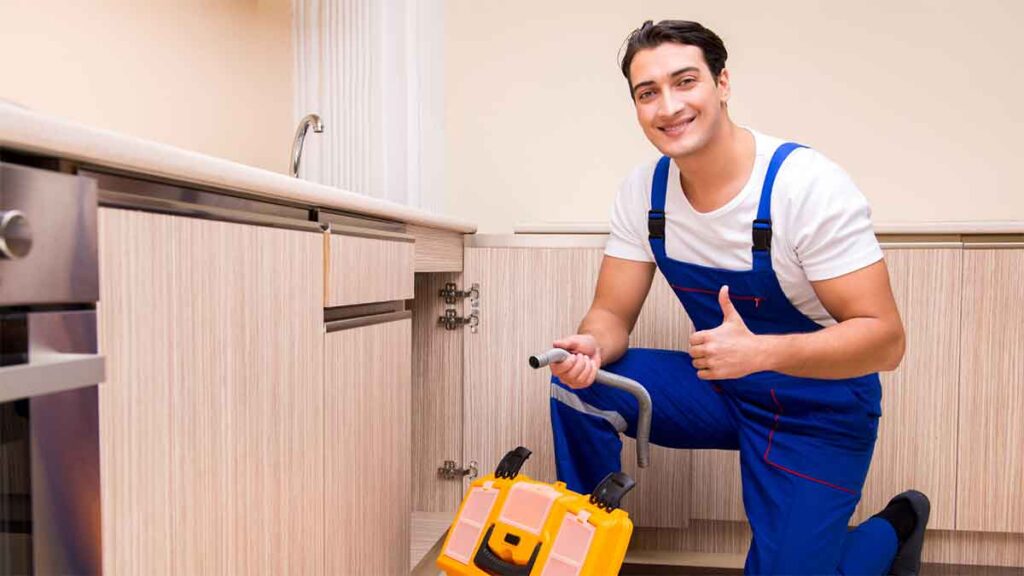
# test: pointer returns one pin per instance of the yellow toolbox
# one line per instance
(511, 525)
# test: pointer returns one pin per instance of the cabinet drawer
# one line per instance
(365, 269)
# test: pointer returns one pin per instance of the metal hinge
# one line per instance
(448, 471)
(451, 319)
(451, 292)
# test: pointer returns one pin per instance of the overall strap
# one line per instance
(762, 229)
(656, 215)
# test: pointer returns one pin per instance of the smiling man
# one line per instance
(770, 249)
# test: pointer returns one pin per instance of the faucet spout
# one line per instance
(300, 137)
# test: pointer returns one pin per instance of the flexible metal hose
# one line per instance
(643, 421)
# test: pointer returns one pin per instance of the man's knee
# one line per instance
(593, 402)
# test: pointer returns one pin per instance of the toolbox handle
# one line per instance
(487, 560)
(643, 420)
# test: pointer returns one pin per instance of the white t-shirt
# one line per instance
(821, 224)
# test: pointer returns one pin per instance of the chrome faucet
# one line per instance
(300, 136)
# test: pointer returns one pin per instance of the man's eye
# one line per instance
(645, 95)
(687, 81)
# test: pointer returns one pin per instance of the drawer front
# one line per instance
(362, 270)
(437, 250)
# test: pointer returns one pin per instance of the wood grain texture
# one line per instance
(493, 361)
(529, 298)
(212, 422)
(717, 490)
(427, 528)
(722, 561)
(974, 548)
(368, 449)
(366, 270)
(991, 457)
(917, 435)
(437, 250)
(713, 537)
(941, 546)
(436, 397)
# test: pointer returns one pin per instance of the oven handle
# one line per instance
(51, 373)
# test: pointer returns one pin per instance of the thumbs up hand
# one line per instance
(728, 351)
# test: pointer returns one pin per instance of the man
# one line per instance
(770, 249)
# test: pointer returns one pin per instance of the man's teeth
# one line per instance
(675, 127)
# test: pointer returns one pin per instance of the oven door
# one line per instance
(49, 443)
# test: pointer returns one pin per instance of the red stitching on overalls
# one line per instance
(755, 299)
(783, 468)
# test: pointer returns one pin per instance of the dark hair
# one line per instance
(651, 35)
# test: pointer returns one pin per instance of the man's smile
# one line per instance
(676, 128)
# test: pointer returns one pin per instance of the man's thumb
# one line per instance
(728, 310)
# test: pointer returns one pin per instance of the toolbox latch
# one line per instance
(512, 462)
(608, 494)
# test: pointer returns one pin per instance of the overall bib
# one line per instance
(805, 444)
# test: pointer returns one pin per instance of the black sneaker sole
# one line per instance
(908, 557)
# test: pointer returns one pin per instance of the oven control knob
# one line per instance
(15, 235)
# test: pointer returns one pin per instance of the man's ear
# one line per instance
(724, 87)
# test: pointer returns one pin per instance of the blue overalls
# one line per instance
(805, 444)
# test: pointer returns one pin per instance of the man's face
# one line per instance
(678, 103)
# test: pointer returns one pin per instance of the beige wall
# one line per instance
(213, 76)
(920, 100)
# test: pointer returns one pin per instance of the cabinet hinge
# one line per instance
(451, 295)
(449, 471)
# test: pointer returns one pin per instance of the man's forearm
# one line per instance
(611, 333)
(851, 348)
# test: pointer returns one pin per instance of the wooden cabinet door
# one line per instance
(436, 396)
(368, 466)
(212, 412)
(917, 435)
(991, 416)
(529, 298)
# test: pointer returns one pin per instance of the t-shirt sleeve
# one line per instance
(831, 218)
(628, 236)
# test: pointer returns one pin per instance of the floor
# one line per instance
(428, 529)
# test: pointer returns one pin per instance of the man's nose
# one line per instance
(670, 104)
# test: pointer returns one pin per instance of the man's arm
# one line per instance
(868, 337)
(603, 335)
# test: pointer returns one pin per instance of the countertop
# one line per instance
(30, 131)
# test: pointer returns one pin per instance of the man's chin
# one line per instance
(679, 148)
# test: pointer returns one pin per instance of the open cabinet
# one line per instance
(527, 299)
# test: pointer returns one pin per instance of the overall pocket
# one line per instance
(821, 435)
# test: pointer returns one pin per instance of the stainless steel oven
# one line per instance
(49, 373)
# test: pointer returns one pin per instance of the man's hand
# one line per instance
(579, 369)
(729, 351)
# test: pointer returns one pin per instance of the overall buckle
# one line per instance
(762, 232)
(656, 223)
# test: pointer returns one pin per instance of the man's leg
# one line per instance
(687, 413)
(805, 448)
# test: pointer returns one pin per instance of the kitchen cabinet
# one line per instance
(529, 298)
(368, 452)
(991, 408)
(952, 411)
(916, 445)
(212, 419)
